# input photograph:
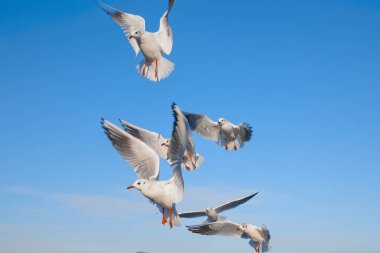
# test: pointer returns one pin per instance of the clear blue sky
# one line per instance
(304, 74)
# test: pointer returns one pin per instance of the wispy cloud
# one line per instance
(107, 207)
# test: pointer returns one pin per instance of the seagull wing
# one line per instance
(164, 34)
(243, 132)
(152, 139)
(130, 23)
(225, 228)
(177, 149)
(143, 159)
(234, 203)
(203, 125)
(192, 214)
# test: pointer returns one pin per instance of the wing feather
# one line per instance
(177, 148)
(165, 34)
(234, 203)
(225, 228)
(130, 23)
(192, 214)
(143, 160)
(152, 139)
(203, 125)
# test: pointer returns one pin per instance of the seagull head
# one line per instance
(139, 184)
(135, 34)
(166, 143)
(221, 121)
(211, 212)
(242, 227)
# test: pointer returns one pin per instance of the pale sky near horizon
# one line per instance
(304, 74)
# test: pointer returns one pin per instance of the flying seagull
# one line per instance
(154, 67)
(223, 132)
(259, 236)
(165, 194)
(213, 213)
(161, 145)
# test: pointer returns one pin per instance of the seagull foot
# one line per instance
(226, 147)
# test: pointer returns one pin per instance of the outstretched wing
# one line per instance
(234, 203)
(203, 125)
(164, 34)
(193, 214)
(152, 139)
(225, 228)
(130, 23)
(243, 132)
(177, 149)
(143, 160)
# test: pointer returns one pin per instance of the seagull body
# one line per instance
(154, 67)
(144, 160)
(213, 213)
(158, 143)
(223, 132)
(259, 236)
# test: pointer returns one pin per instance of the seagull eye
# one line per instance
(138, 183)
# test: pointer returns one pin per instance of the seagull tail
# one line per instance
(199, 160)
(155, 72)
(176, 218)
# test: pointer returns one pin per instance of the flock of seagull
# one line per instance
(142, 148)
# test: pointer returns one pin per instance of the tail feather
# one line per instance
(176, 218)
(199, 160)
(164, 68)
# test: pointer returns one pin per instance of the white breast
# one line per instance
(150, 47)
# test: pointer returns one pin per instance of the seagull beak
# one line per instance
(162, 144)
(131, 187)
(130, 37)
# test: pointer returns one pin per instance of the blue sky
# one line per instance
(304, 74)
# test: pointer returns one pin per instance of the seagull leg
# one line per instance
(193, 162)
(226, 147)
(235, 147)
(143, 70)
(156, 70)
(163, 217)
(170, 218)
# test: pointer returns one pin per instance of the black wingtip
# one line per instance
(248, 131)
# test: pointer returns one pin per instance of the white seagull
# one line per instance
(223, 132)
(164, 194)
(213, 213)
(259, 236)
(154, 67)
(160, 145)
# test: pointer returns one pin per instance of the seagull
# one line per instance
(259, 236)
(213, 213)
(223, 132)
(160, 145)
(154, 67)
(144, 160)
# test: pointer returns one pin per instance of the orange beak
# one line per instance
(131, 187)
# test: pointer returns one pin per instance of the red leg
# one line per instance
(156, 70)
(226, 147)
(170, 218)
(143, 70)
(192, 162)
(163, 217)
(235, 147)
